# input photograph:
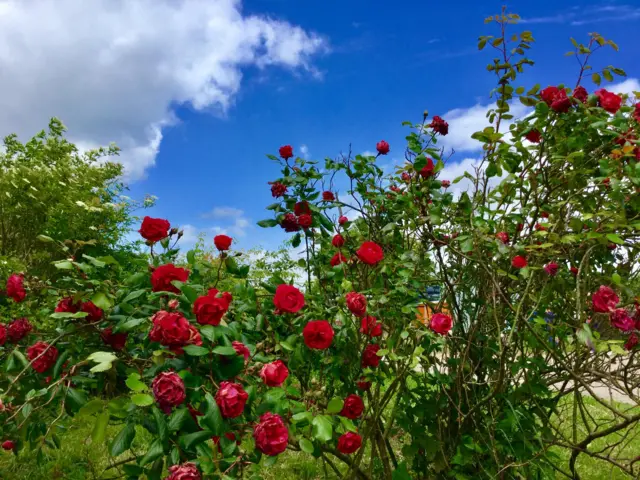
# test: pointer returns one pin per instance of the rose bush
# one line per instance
(226, 373)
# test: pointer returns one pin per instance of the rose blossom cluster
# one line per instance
(605, 300)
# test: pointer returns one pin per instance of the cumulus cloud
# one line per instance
(113, 70)
(628, 86)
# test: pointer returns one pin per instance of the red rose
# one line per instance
(574, 271)
(305, 220)
(406, 177)
(290, 223)
(519, 262)
(370, 253)
(94, 313)
(439, 125)
(533, 136)
(274, 374)
(116, 341)
(241, 349)
(445, 183)
(231, 399)
(356, 303)
(363, 384)
(382, 147)
(428, 170)
(621, 319)
(154, 229)
(440, 323)
(210, 308)
(318, 334)
(349, 443)
(503, 237)
(561, 103)
(604, 300)
(186, 471)
(370, 326)
(548, 94)
(328, 196)
(580, 94)
(163, 275)
(173, 304)
(540, 228)
(3, 334)
(8, 445)
(170, 329)
(42, 356)
(168, 390)
(288, 299)
(337, 259)
(551, 268)
(18, 329)
(544, 214)
(636, 112)
(286, 151)
(631, 342)
(302, 208)
(519, 227)
(15, 288)
(222, 242)
(278, 189)
(342, 220)
(271, 434)
(337, 241)
(353, 407)
(67, 305)
(608, 100)
(370, 357)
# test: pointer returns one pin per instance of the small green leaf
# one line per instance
(178, 419)
(134, 383)
(335, 405)
(133, 295)
(612, 237)
(196, 351)
(155, 451)
(142, 399)
(596, 78)
(223, 350)
(295, 241)
(45, 239)
(123, 440)
(101, 300)
(194, 439)
(60, 315)
(213, 418)
(322, 428)
(269, 222)
(100, 427)
(306, 445)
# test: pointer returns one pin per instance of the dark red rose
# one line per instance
(210, 308)
(636, 112)
(519, 227)
(278, 189)
(168, 390)
(503, 237)
(116, 341)
(337, 241)
(533, 136)
(363, 384)
(271, 434)
(370, 326)
(551, 268)
(353, 407)
(173, 304)
(8, 445)
(18, 329)
(231, 399)
(548, 94)
(429, 169)
(342, 220)
(608, 100)
(561, 103)
(154, 229)
(42, 356)
(349, 442)
(370, 357)
(241, 349)
(15, 288)
(94, 313)
(382, 147)
(286, 151)
(396, 189)
(611, 246)
(604, 300)
(302, 208)
(439, 125)
(574, 271)
(195, 413)
(305, 220)
(328, 196)
(222, 242)
(621, 319)
(318, 334)
(370, 253)
(163, 275)
(406, 177)
(337, 259)
(580, 93)
(3, 334)
(440, 323)
(170, 329)
(290, 223)
(539, 227)
(631, 342)
(519, 262)
(186, 471)
(274, 374)
(445, 183)
(67, 305)
(356, 303)
(544, 214)
(229, 436)
(288, 299)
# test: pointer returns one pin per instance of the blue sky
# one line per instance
(323, 75)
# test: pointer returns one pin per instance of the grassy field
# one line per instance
(78, 459)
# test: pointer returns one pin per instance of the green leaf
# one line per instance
(63, 265)
(213, 418)
(612, 237)
(133, 295)
(401, 473)
(94, 261)
(131, 324)
(208, 332)
(194, 439)
(189, 292)
(155, 450)
(134, 383)
(295, 241)
(100, 427)
(94, 406)
(195, 350)
(616, 279)
(335, 405)
(104, 361)
(45, 239)
(191, 257)
(142, 399)
(223, 350)
(306, 445)
(322, 429)
(58, 366)
(60, 315)
(161, 424)
(232, 265)
(302, 416)
(123, 440)
(178, 419)
(101, 300)
(596, 78)
(269, 222)
(76, 399)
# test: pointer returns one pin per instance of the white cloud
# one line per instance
(221, 212)
(114, 70)
(304, 151)
(230, 221)
(628, 86)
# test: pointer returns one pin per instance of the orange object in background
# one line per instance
(425, 312)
